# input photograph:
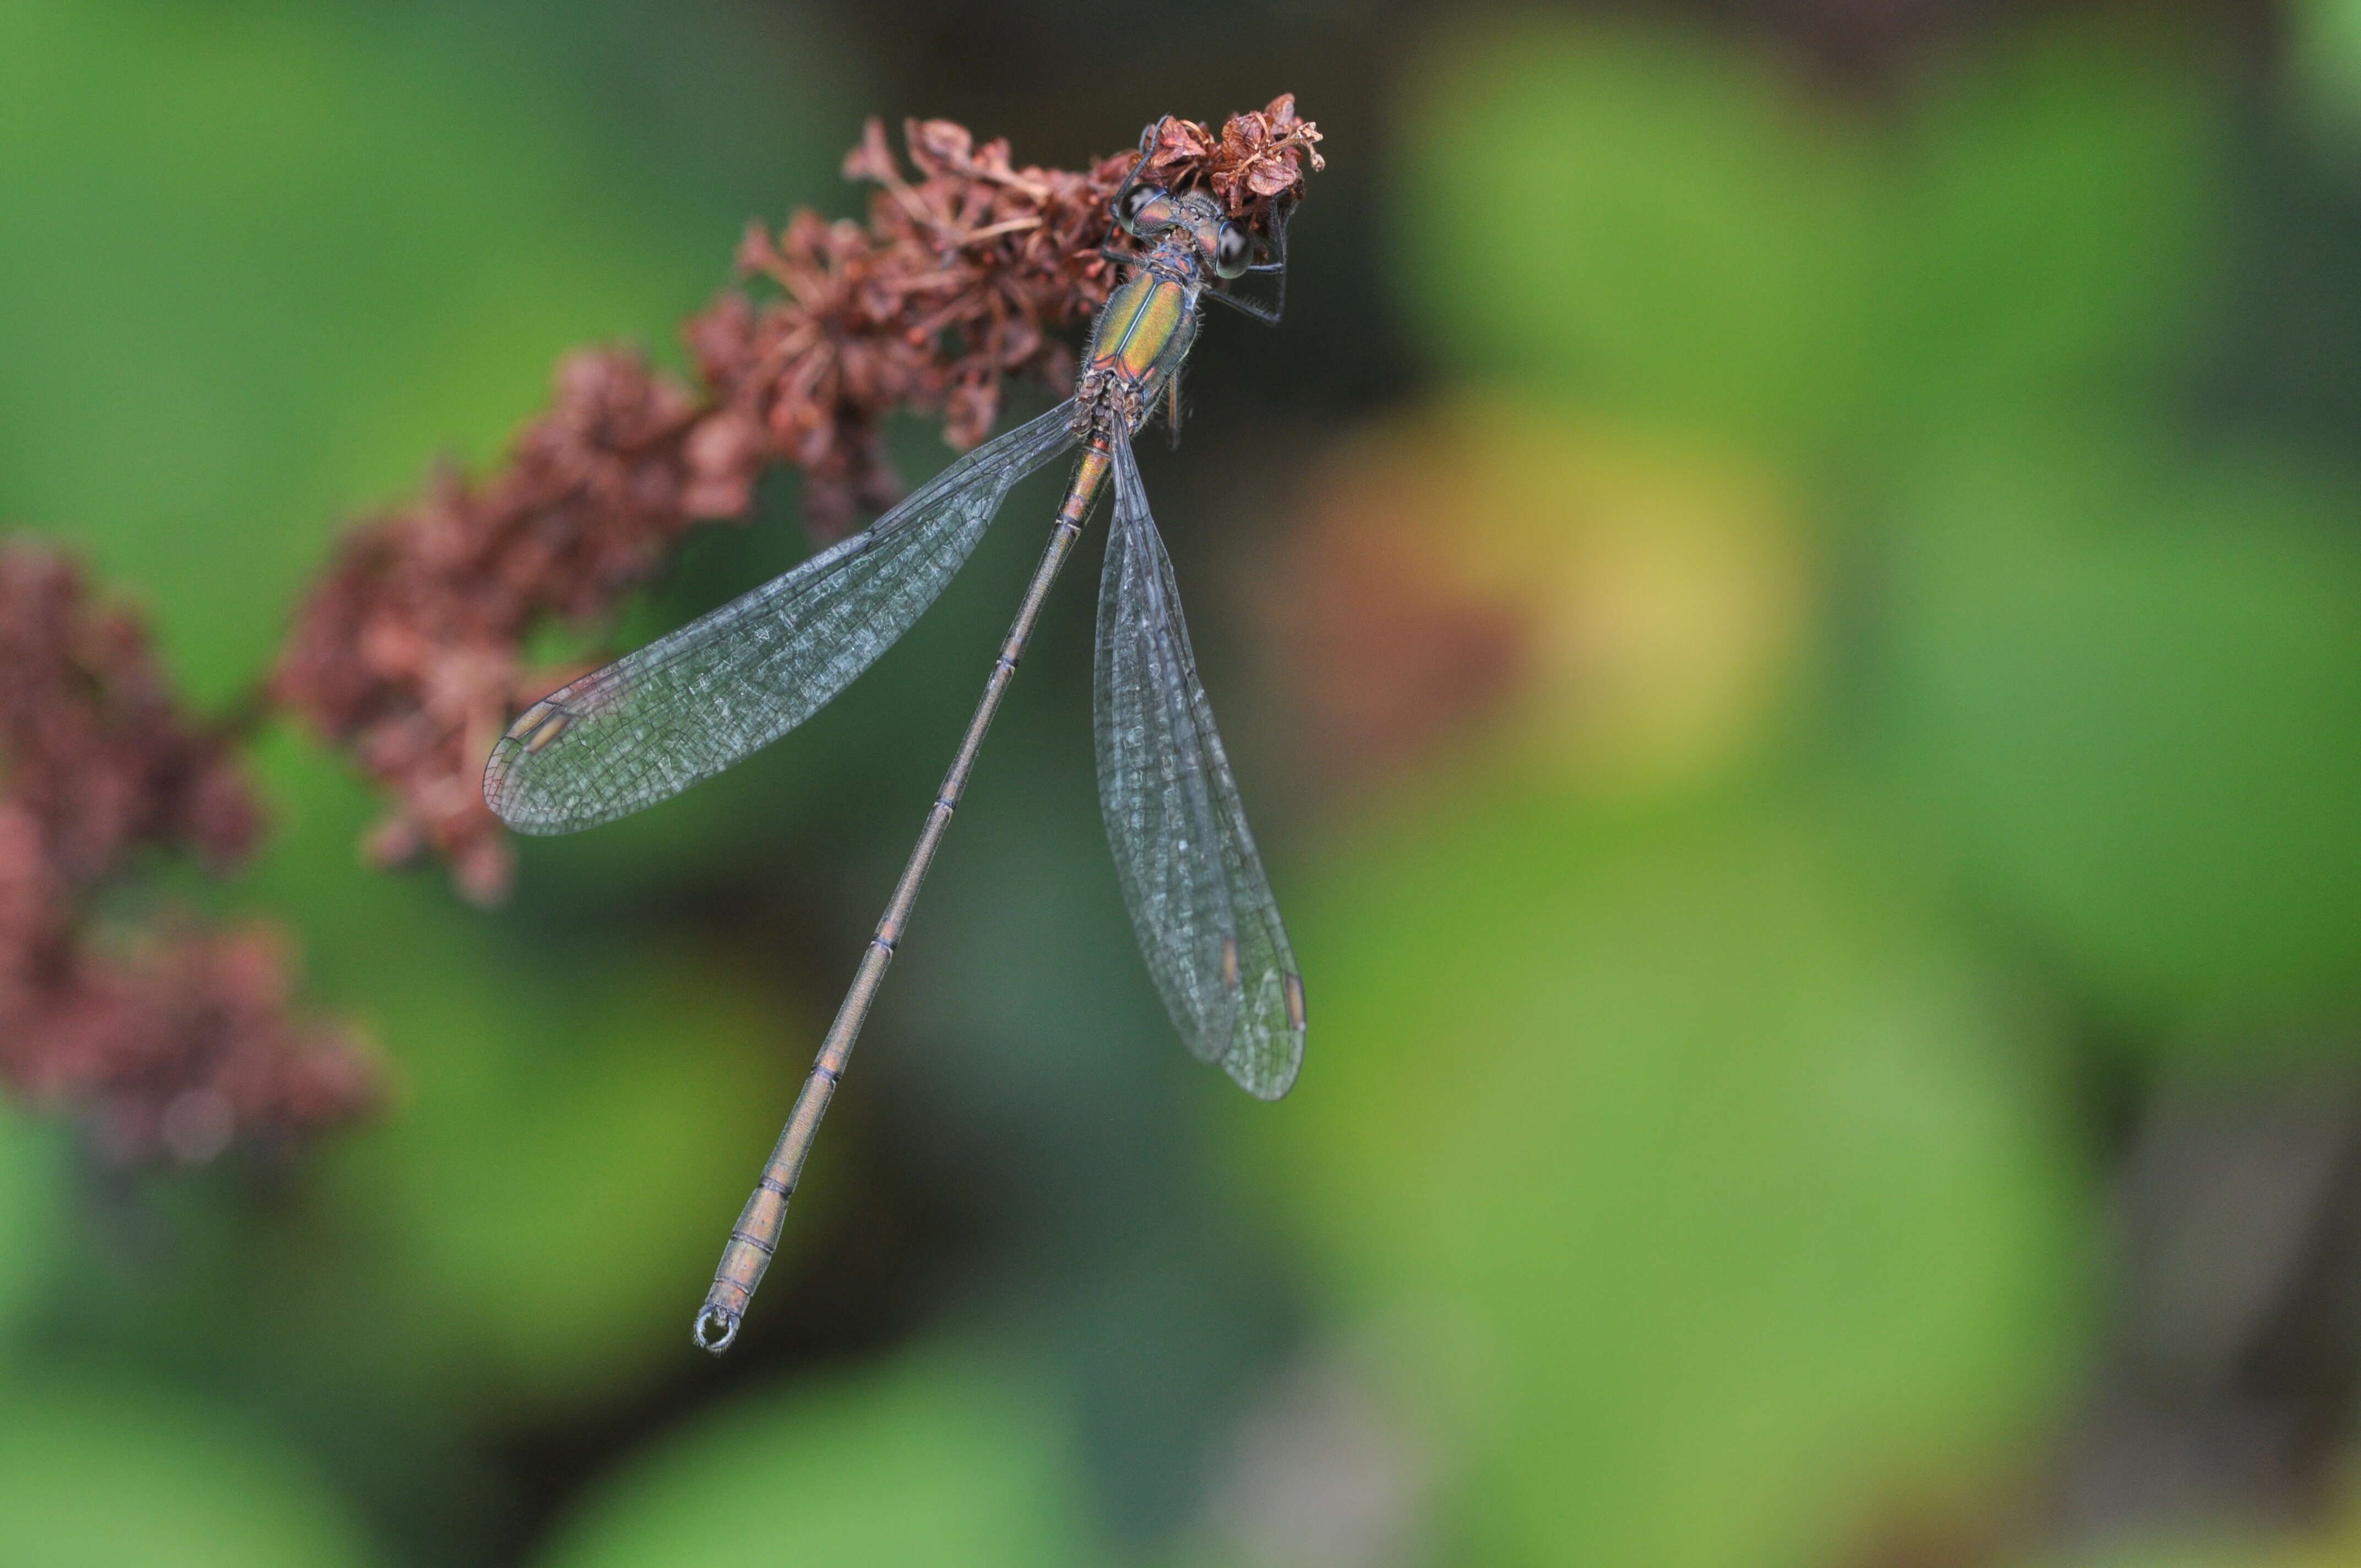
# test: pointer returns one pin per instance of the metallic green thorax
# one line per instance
(1145, 331)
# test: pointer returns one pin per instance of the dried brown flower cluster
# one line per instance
(956, 283)
(409, 653)
(167, 1039)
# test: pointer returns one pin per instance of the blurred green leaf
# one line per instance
(2132, 691)
(1653, 219)
(931, 1462)
(1728, 1162)
(2327, 57)
(2060, 223)
(1667, 223)
(31, 1196)
(98, 1474)
(569, 1159)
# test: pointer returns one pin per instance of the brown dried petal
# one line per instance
(873, 160)
(935, 145)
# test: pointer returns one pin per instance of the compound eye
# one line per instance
(1232, 250)
(1134, 201)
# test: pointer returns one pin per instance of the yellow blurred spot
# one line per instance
(1490, 573)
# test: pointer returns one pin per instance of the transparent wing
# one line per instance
(693, 702)
(1207, 924)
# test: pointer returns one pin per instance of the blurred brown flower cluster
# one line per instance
(165, 1038)
(409, 651)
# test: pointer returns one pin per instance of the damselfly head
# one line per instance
(1150, 213)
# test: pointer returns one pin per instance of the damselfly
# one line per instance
(692, 703)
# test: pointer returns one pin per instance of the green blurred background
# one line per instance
(1788, 600)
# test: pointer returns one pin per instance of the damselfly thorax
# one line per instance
(1144, 330)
